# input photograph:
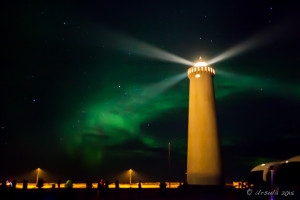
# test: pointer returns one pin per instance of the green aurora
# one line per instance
(81, 101)
(115, 115)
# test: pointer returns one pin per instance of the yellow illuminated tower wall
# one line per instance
(204, 160)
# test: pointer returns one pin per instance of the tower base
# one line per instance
(204, 179)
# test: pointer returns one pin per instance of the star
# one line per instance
(119, 86)
(65, 23)
(200, 38)
(2, 127)
(34, 100)
(271, 8)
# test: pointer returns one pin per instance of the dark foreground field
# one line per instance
(128, 194)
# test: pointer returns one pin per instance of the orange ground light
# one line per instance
(112, 185)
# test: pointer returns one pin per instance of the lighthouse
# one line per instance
(203, 156)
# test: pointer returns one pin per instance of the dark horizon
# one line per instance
(73, 93)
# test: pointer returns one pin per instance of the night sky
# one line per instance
(79, 99)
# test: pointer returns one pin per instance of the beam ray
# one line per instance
(140, 48)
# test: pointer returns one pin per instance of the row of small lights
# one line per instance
(195, 69)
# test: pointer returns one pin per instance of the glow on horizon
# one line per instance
(95, 185)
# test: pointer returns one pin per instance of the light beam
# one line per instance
(159, 87)
(258, 40)
(140, 48)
